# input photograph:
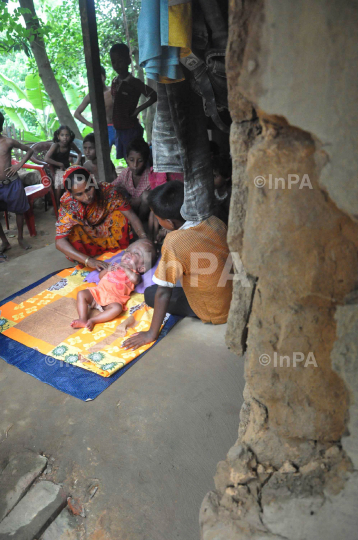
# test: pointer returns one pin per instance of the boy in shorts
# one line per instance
(195, 252)
(126, 91)
(12, 192)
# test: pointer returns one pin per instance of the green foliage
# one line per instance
(13, 86)
(60, 28)
(30, 109)
(35, 94)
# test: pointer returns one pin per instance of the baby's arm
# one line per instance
(103, 272)
(134, 277)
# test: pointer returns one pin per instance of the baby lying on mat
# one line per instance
(116, 283)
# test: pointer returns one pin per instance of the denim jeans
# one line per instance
(180, 142)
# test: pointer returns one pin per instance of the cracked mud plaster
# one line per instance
(291, 474)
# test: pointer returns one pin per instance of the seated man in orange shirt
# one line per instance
(197, 253)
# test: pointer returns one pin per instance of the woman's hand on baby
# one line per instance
(98, 265)
(138, 340)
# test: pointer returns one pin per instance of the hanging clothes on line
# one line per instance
(164, 37)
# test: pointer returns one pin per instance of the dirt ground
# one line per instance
(45, 227)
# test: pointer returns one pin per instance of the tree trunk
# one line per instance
(127, 34)
(47, 76)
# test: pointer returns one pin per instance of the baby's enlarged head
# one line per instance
(140, 256)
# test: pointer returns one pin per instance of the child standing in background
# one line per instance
(89, 150)
(12, 191)
(59, 157)
(126, 91)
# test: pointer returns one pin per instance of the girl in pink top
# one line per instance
(133, 182)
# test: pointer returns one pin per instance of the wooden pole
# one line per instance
(127, 35)
(90, 44)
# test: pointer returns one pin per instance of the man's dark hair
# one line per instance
(76, 177)
(89, 138)
(222, 165)
(120, 48)
(2, 120)
(58, 131)
(139, 145)
(103, 71)
(166, 200)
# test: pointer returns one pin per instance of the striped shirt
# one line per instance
(198, 255)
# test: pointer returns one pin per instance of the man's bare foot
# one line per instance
(90, 325)
(4, 246)
(3, 257)
(24, 244)
(77, 323)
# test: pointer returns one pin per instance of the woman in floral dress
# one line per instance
(93, 218)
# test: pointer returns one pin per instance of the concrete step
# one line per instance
(17, 478)
(65, 527)
(33, 514)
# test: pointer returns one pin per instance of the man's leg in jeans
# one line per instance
(178, 304)
(185, 134)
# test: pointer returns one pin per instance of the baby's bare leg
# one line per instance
(84, 300)
(110, 312)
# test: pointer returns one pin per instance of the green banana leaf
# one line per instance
(86, 131)
(15, 118)
(55, 124)
(14, 86)
(72, 97)
(35, 94)
(30, 137)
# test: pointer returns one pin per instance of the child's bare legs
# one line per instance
(140, 206)
(84, 300)
(5, 244)
(144, 209)
(110, 312)
(20, 232)
(58, 193)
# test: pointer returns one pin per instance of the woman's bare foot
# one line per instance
(90, 325)
(77, 323)
(24, 244)
(4, 246)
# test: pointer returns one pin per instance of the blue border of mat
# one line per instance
(71, 380)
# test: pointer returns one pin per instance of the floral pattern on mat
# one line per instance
(98, 351)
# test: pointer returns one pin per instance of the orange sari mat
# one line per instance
(41, 319)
